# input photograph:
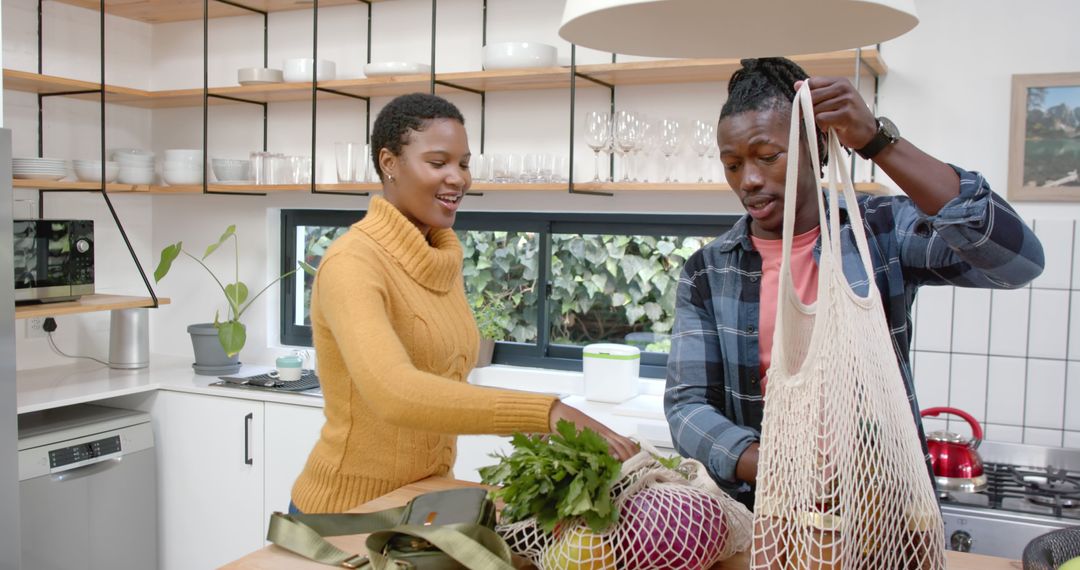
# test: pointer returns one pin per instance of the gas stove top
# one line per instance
(1048, 490)
(1030, 490)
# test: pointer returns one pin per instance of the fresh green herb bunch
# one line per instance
(565, 475)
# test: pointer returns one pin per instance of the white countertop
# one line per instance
(84, 381)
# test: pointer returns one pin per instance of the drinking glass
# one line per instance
(626, 127)
(597, 134)
(669, 143)
(500, 168)
(478, 168)
(530, 169)
(702, 138)
(350, 157)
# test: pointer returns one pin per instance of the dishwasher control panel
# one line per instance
(73, 456)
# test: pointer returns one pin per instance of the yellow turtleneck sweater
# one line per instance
(396, 340)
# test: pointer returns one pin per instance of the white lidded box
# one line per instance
(611, 372)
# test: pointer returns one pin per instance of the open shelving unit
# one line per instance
(87, 304)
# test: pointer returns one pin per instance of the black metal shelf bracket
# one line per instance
(573, 101)
(104, 152)
(315, 89)
(207, 95)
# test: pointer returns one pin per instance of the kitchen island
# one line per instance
(274, 558)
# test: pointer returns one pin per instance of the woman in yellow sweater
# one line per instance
(394, 333)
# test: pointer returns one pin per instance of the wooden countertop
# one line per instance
(274, 558)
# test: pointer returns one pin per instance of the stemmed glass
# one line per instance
(650, 140)
(702, 139)
(597, 134)
(626, 129)
(710, 158)
(641, 123)
(669, 143)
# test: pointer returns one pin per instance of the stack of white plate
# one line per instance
(136, 166)
(183, 166)
(38, 168)
(90, 170)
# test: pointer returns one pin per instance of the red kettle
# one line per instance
(956, 463)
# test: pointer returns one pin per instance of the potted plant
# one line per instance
(217, 345)
(492, 317)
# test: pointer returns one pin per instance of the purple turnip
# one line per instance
(670, 528)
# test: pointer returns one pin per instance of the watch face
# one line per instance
(889, 128)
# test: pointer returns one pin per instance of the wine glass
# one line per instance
(710, 157)
(597, 134)
(669, 143)
(703, 135)
(626, 127)
(650, 140)
(641, 125)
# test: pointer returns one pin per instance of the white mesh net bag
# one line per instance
(842, 480)
(669, 519)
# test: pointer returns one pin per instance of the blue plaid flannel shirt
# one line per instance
(713, 400)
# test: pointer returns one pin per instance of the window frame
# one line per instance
(541, 354)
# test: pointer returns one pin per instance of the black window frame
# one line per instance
(541, 354)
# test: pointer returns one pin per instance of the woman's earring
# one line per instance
(390, 177)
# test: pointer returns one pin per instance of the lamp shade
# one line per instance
(733, 28)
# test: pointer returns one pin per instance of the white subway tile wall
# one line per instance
(1009, 358)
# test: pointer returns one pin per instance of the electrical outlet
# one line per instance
(35, 328)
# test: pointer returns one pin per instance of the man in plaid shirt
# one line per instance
(950, 229)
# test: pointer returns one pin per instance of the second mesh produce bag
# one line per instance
(842, 479)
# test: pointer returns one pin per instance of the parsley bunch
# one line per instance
(568, 474)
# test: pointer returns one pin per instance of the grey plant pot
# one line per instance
(210, 358)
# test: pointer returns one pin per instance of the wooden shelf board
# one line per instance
(841, 63)
(630, 73)
(79, 185)
(508, 79)
(873, 188)
(87, 304)
(156, 11)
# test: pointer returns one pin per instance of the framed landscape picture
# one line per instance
(1044, 138)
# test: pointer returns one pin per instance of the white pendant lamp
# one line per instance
(733, 28)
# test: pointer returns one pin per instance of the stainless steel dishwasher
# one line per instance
(87, 489)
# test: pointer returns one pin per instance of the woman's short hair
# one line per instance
(767, 83)
(406, 113)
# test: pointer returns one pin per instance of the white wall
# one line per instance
(948, 89)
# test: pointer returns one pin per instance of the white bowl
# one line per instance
(231, 169)
(258, 76)
(512, 55)
(298, 69)
(182, 153)
(136, 176)
(386, 68)
(88, 171)
(175, 177)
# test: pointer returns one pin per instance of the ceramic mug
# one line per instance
(289, 369)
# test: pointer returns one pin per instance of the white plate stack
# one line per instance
(38, 168)
(136, 166)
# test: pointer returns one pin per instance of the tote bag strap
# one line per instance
(303, 534)
(831, 242)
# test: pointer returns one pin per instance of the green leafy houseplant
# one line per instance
(231, 332)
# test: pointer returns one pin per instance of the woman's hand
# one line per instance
(839, 106)
(621, 447)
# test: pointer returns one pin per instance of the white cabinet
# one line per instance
(224, 465)
(210, 464)
(291, 432)
(474, 452)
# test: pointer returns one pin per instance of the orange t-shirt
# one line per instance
(804, 275)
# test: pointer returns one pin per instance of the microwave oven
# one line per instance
(54, 260)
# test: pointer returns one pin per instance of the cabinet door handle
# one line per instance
(247, 439)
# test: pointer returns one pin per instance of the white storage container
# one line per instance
(611, 372)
